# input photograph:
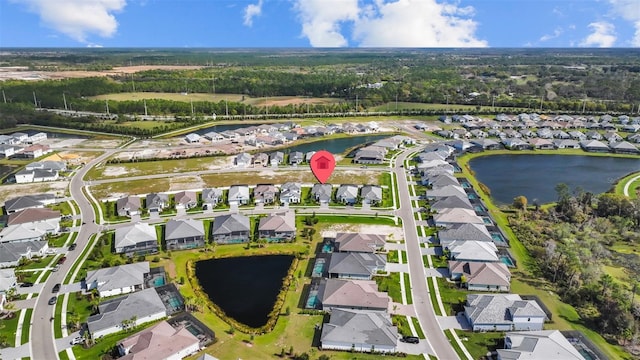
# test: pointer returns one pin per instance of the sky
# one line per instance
(320, 23)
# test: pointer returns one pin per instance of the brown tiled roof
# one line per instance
(31, 215)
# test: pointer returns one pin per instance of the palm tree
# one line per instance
(73, 321)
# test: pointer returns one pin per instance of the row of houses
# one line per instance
(22, 138)
(359, 319)
(10, 151)
(40, 171)
(531, 119)
(280, 133)
(141, 238)
(376, 152)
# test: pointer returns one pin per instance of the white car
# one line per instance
(77, 340)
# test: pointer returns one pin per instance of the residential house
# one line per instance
(161, 341)
(440, 180)
(481, 276)
(276, 158)
(7, 280)
(632, 128)
(593, 135)
(322, 193)
(351, 294)
(33, 151)
(446, 191)
(211, 197)
(136, 239)
(544, 133)
(126, 312)
(12, 252)
(612, 137)
(541, 144)
(461, 145)
(623, 147)
(347, 194)
(213, 136)
(515, 144)
(473, 250)
(260, 159)
(308, 156)
(503, 312)
(566, 144)
(594, 146)
(117, 280)
(20, 137)
(242, 160)
(356, 265)
(296, 158)
(7, 150)
(464, 232)
(128, 206)
(36, 138)
(486, 144)
(634, 138)
(559, 134)
(7, 140)
(53, 166)
(156, 202)
(290, 193)
(370, 155)
(538, 345)
(28, 201)
(359, 242)
(265, 194)
(238, 195)
(24, 232)
(37, 175)
(278, 227)
(230, 229)
(186, 200)
(428, 156)
(577, 135)
(371, 194)
(192, 138)
(451, 202)
(448, 217)
(359, 330)
(184, 234)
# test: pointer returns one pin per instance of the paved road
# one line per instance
(42, 340)
(419, 289)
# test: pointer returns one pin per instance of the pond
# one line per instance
(245, 288)
(337, 146)
(536, 176)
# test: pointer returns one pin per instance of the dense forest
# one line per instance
(573, 242)
(584, 80)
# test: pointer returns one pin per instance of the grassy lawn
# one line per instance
(392, 256)
(24, 337)
(454, 344)
(385, 180)
(619, 188)
(89, 246)
(59, 240)
(39, 263)
(439, 261)
(109, 212)
(403, 325)
(453, 298)
(478, 344)
(63, 355)
(102, 191)
(391, 285)
(79, 305)
(353, 219)
(8, 329)
(105, 344)
(407, 288)
(416, 325)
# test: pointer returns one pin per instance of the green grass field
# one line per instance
(254, 101)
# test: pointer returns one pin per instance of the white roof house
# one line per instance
(359, 330)
(138, 237)
(538, 345)
(447, 217)
(503, 312)
(117, 280)
(472, 250)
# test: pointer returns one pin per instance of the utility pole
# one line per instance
(35, 101)
(64, 98)
(226, 108)
(493, 102)
(5, 98)
(192, 107)
(145, 107)
(107, 101)
(356, 102)
(541, 101)
(584, 105)
(396, 102)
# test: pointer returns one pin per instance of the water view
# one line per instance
(535, 176)
(245, 288)
(337, 146)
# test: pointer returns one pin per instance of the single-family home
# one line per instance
(612, 137)
(7, 280)
(276, 158)
(446, 191)
(33, 151)
(242, 160)
(278, 227)
(624, 147)
(593, 146)
(54, 166)
(23, 232)
(355, 265)
(515, 144)
(265, 194)
(448, 217)
(28, 201)
(359, 330)
(541, 144)
(359, 242)
(7, 150)
(192, 138)
(211, 197)
(186, 200)
(230, 229)
(322, 193)
(128, 206)
(43, 218)
(347, 194)
(238, 195)
(351, 294)
(370, 155)
(290, 193)
(296, 158)
(260, 159)
(464, 232)
(36, 175)
(577, 135)
(566, 144)
(20, 137)
(184, 234)
(161, 341)
(593, 135)
(486, 144)
(213, 136)
(429, 156)
(117, 280)
(308, 155)
(136, 239)
(538, 345)
(371, 194)
(12, 252)
(481, 276)
(439, 180)
(156, 202)
(503, 312)
(473, 250)
(126, 312)
(36, 138)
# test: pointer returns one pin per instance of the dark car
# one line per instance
(410, 339)
(72, 247)
(56, 288)
(53, 300)
(26, 284)
(62, 260)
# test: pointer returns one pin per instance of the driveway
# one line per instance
(439, 272)
(415, 349)
(19, 352)
(36, 288)
(393, 267)
(65, 342)
(395, 246)
(454, 322)
(401, 309)
(25, 304)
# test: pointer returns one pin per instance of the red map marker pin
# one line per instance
(322, 164)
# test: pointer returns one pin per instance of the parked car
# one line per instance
(53, 300)
(72, 247)
(76, 340)
(56, 268)
(56, 288)
(410, 339)
(62, 260)
(26, 284)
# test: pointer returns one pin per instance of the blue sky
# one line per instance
(320, 23)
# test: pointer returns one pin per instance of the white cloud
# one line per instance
(556, 33)
(418, 23)
(251, 11)
(321, 20)
(388, 23)
(603, 35)
(78, 18)
(630, 11)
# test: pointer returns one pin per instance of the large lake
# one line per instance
(337, 146)
(535, 176)
(245, 288)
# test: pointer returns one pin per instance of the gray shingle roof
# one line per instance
(371, 192)
(364, 264)
(13, 251)
(230, 223)
(183, 228)
(134, 234)
(360, 327)
(118, 277)
(28, 201)
(499, 308)
(357, 242)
